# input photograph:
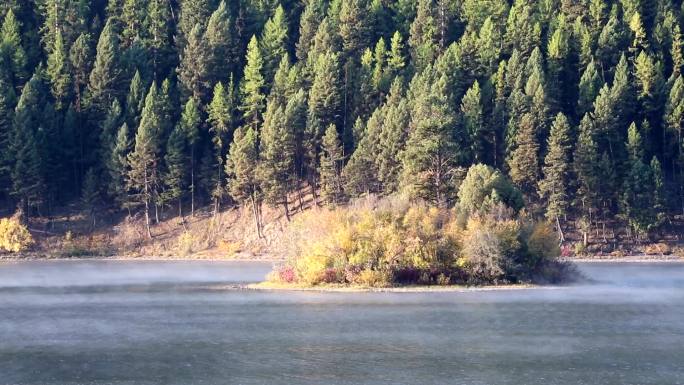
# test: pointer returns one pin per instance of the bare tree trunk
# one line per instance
(147, 218)
(156, 213)
(192, 180)
(255, 212)
(300, 197)
(560, 230)
(287, 210)
(180, 213)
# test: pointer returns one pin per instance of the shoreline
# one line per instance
(45, 258)
(266, 286)
(630, 259)
(134, 259)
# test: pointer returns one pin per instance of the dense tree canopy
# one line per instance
(580, 105)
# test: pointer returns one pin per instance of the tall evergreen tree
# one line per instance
(252, 87)
(555, 186)
(12, 54)
(585, 160)
(189, 124)
(355, 24)
(158, 37)
(80, 58)
(524, 159)
(103, 81)
(273, 43)
(423, 39)
(277, 157)
(118, 167)
(59, 72)
(431, 155)
(308, 26)
(28, 184)
(332, 157)
(243, 183)
(143, 177)
(221, 120)
(176, 175)
(221, 44)
(193, 70)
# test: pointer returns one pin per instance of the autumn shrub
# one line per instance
(542, 244)
(377, 243)
(373, 278)
(185, 243)
(14, 236)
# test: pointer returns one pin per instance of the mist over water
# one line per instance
(164, 323)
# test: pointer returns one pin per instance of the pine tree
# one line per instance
(252, 87)
(295, 121)
(80, 57)
(423, 39)
(585, 160)
(28, 184)
(241, 166)
(59, 72)
(157, 37)
(135, 100)
(676, 51)
(194, 66)
(392, 138)
(273, 43)
(192, 13)
(396, 62)
(118, 167)
(308, 26)
(90, 194)
(324, 104)
(332, 157)
(109, 129)
(524, 160)
(277, 157)
(102, 86)
(489, 47)
(589, 86)
(132, 18)
(355, 26)
(285, 82)
(220, 44)
(637, 197)
(612, 41)
(220, 119)
(7, 99)
(176, 175)
(143, 176)
(472, 120)
(360, 174)
(555, 187)
(431, 155)
(189, 124)
(475, 12)
(12, 53)
(324, 95)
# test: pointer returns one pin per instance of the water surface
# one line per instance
(163, 323)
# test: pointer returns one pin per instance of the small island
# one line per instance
(484, 239)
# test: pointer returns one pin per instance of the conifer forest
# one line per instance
(164, 106)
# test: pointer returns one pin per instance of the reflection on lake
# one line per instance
(162, 323)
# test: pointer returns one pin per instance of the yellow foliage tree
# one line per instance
(14, 237)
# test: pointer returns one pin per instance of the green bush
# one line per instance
(485, 187)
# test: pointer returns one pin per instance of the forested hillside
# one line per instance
(160, 105)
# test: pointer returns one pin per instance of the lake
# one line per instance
(131, 322)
